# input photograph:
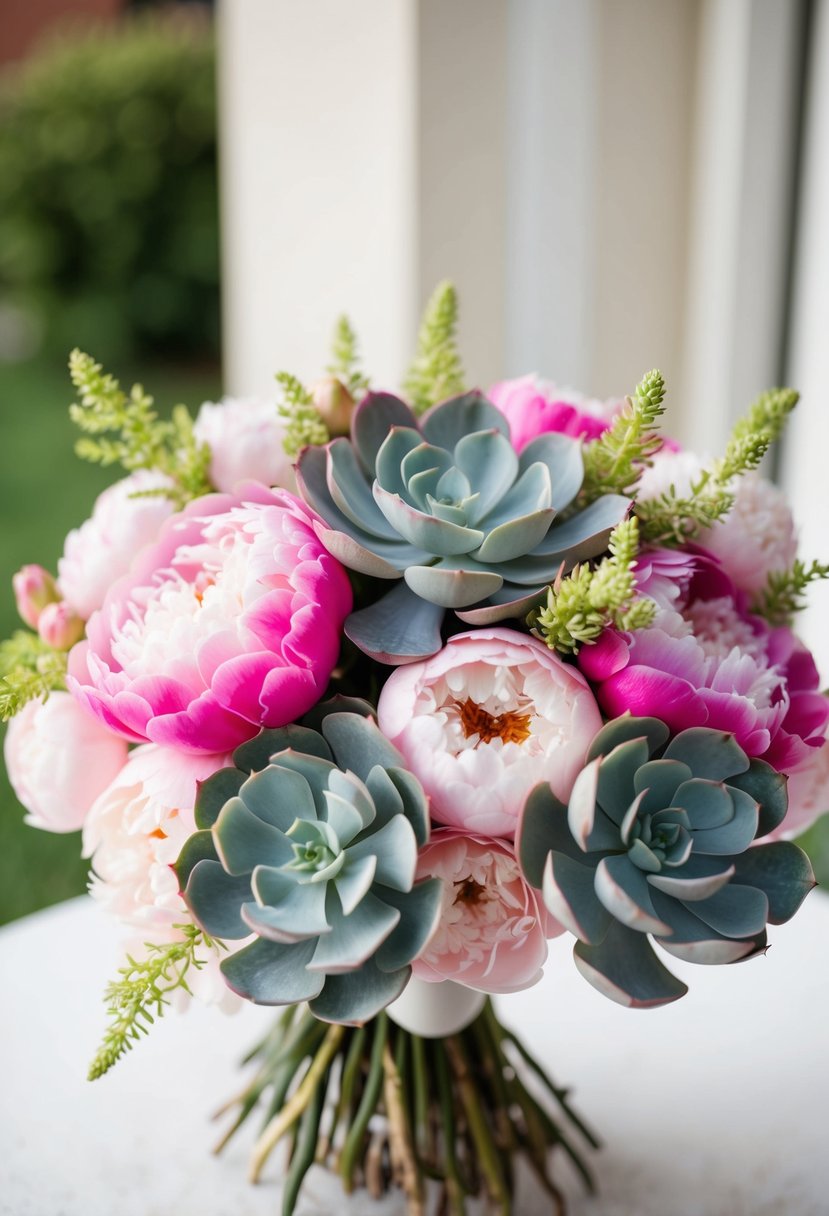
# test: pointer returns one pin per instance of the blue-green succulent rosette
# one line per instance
(658, 841)
(445, 506)
(310, 843)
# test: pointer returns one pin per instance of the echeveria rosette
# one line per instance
(445, 504)
(311, 843)
(656, 840)
(229, 622)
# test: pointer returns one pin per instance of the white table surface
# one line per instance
(714, 1106)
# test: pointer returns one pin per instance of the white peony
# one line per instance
(757, 536)
(102, 549)
(59, 759)
(245, 439)
(134, 834)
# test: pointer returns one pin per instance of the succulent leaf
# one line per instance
(317, 853)
(446, 504)
(658, 839)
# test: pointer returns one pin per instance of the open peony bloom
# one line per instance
(533, 408)
(493, 929)
(484, 720)
(757, 536)
(134, 832)
(101, 550)
(59, 759)
(229, 623)
(707, 661)
(245, 437)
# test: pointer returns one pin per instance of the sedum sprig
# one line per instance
(29, 669)
(436, 372)
(345, 359)
(136, 999)
(783, 596)
(304, 425)
(121, 428)
(615, 461)
(673, 519)
(582, 604)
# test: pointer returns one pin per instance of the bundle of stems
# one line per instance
(386, 1108)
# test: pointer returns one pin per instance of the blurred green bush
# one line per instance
(108, 192)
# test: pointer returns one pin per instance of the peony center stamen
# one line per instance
(469, 892)
(510, 727)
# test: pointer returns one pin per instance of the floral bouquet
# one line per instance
(359, 699)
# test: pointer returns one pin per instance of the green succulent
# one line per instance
(656, 841)
(447, 505)
(310, 842)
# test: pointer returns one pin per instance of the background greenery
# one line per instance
(108, 202)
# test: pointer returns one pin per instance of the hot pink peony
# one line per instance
(59, 759)
(245, 438)
(533, 408)
(101, 550)
(229, 623)
(484, 720)
(493, 928)
(707, 661)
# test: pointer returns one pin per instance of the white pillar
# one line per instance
(362, 152)
(806, 449)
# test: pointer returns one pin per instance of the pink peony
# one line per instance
(34, 589)
(808, 795)
(493, 928)
(707, 661)
(533, 408)
(59, 759)
(134, 833)
(101, 550)
(229, 623)
(245, 438)
(484, 720)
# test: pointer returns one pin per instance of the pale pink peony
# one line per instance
(493, 929)
(134, 833)
(533, 407)
(484, 720)
(229, 623)
(245, 437)
(59, 759)
(101, 550)
(669, 469)
(757, 536)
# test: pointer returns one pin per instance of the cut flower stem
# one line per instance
(385, 1108)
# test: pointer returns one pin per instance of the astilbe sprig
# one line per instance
(345, 359)
(614, 463)
(784, 594)
(436, 372)
(29, 669)
(304, 426)
(136, 999)
(591, 597)
(674, 519)
(125, 429)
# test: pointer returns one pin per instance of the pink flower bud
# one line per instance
(334, 404)
(59, 626)
(34, 588)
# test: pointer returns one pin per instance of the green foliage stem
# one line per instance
(345, 359)
(783, 595)
(436, 372)
(615, 461)
(673, 519)
(125, 429)
(590, 598)
(136, 999)
(304, 426)
(28, 669)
